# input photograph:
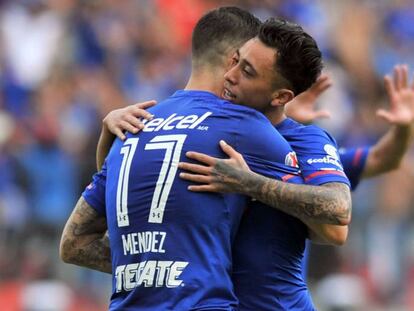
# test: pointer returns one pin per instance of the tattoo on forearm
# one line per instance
(322, 204)
(85, 241)
(230, 179)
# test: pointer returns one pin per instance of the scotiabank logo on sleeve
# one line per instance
(331, 157)
(291, 159)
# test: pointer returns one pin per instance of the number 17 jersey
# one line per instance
(171, 248)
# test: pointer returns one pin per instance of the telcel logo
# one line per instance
(174, 122)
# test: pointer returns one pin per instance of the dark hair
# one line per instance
(298, 58)
(221, 29)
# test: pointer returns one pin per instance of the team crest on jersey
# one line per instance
(291, 159)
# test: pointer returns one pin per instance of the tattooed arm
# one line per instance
(85, 240)
(329, 205)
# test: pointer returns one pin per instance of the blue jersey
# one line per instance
(171, 248)
(353, 160)
(270, 244)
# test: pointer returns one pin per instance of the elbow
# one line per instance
(336, 235)
(345, 209)
(66, 250)
(344, 219)
(337, 204)
(340, 237)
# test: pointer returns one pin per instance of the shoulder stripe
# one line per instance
(288, 176)
(319, 173)
(357, 157)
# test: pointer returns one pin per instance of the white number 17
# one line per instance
(173, 145)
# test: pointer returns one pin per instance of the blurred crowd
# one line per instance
(65, 63)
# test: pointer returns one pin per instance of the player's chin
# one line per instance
(234, 100)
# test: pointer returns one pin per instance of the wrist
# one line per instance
(250, 183)
(403, 129)
(105, 123)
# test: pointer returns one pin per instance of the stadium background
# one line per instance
(65, 63)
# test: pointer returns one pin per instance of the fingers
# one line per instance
(146, 105)
(397, 78)
(203, 188)
(201, 157)
(389, 86)
(118, 132)
(322, 114)
(201, 179)
(400, 77)
(126, 126)
(400, 80)
(133, 121)
(138, 112)
(385, 115)
(227, 149)
(195, 168)
(323, 83)
(404, 76)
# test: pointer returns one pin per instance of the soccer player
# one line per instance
(269, 246)
(222, 177)
(170, 249)
(277, 283)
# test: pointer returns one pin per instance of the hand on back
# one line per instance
(128, 119)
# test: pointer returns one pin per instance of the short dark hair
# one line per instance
(299, 59)
(221, 29)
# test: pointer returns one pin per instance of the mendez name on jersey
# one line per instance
(171, 248)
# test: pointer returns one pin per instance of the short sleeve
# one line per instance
(319, 158)
(94, 193)
(353, 160)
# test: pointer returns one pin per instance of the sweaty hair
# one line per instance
(298, 58)
(220, 30)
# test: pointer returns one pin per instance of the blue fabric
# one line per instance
(183, 262)
(354, 160)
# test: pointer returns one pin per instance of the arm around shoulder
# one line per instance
(329, 204)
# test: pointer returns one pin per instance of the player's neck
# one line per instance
(276, 115)
(206, 79)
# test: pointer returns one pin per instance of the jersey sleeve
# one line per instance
(94, 193)
(318, 157)
(353, 160)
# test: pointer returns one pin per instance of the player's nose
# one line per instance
(230, 76)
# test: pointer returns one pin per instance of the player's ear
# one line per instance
(281, 97)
